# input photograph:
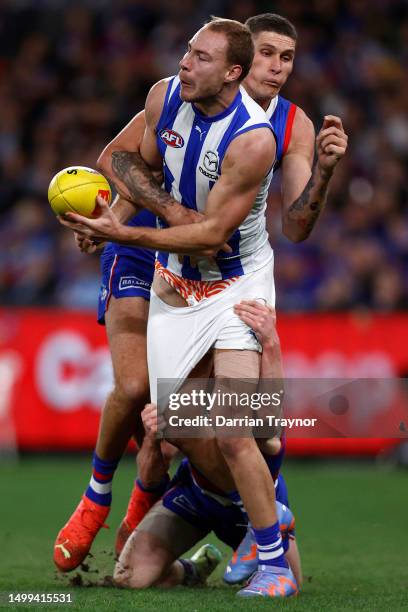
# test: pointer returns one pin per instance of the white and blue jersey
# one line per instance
(128, 271)
(193, 147)
(192, 497)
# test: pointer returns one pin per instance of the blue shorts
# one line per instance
(126, 272)
(208, 513)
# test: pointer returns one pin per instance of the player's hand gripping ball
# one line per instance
(75, 189)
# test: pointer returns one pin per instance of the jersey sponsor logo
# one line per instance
(128, 282)
(171, 138)
(210, 162)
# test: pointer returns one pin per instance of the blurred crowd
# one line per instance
(73, 74)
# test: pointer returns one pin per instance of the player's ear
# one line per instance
(233, 73)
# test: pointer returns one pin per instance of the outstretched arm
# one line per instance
(246, 163)
(305, 184)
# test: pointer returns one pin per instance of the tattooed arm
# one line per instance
(304, 184)
(246, 163)
(134, 165)
(131, 170)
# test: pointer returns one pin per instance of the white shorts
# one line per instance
(178, 338)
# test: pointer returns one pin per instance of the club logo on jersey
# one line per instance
(171, 138)
(210, 162)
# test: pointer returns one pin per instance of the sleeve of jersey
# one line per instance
(253, 126)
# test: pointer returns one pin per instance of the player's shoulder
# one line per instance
(159, 95)
(302, 125)
(301, 121)
(159, 90)
(302, 133)
(251, 152)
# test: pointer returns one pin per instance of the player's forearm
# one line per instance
(183, 239)
(301, 215)
(134, 173)
(271, 375)
(271, 363)
(123, 209)
(152, 468)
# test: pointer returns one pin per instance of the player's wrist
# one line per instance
(171, 214)
(270, 344)
(324, 173)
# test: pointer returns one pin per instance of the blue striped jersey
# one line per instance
(144, 218)
(193, 147)
(281, 114)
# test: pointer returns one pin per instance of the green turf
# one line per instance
(352, 530)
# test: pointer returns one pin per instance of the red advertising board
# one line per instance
(55, 371)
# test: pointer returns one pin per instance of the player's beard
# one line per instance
(207, 95)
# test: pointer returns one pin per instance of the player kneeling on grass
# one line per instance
(193, 507)
(186, 514)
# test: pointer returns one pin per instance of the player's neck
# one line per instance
(263, 102)
(217, 104)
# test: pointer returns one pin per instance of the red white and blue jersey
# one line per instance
(281, 114)
(193, 147)
(191, 496)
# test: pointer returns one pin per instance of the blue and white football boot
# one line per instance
(270, 581)
(244, 561)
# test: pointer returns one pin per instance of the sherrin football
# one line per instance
(74, 189)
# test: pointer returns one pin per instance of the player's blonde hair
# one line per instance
(240, 46)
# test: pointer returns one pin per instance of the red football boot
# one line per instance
(75, 538)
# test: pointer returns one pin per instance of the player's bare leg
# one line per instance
(293, 558)
(143, 561)
(153, 461)
(255, 487)
(151, 556)
(204, 453)
(126, 330)
(250, 472)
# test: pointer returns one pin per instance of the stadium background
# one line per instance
(72, 75)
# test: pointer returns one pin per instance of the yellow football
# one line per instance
(75, 189)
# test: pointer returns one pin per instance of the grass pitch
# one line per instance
(352, 527)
